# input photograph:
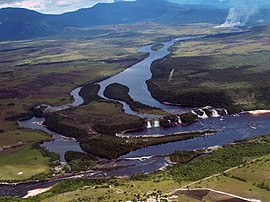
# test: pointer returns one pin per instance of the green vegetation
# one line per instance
(19, 160)
(182, 157)
(53, 122)
(45, 70)
(249, 180)
(220, 160)
(89, 93)
(120, 92)
(230, 71)
(98, 117)
(157, 47)
(250, 159)
(106, 147)
(23, 164)
(112, 147)
(79, 161)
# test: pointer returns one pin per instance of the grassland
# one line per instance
(45, 70)
(229, 71)
(241, 174)
(244, 181)
(18, 160)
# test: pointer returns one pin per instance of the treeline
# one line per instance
(120, 92)
(53, 122)
(89, 93)
(109, 129)
(112, 147)
(79, 161)
(186, 118)
(185, 156)
(106, 146)
(194, 98)
(219, 160)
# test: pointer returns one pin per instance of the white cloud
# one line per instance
(51, 6)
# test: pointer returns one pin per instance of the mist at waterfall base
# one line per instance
(240, 17)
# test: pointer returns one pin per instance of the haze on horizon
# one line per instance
(62, 6)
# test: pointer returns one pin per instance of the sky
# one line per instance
(62, 6)
(51, 6)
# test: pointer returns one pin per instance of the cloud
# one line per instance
(51, 6)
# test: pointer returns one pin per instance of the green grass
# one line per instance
(230, 72)
(242, 181)
(218, 161)
(25, 160)
(256, 172)
(25, 136)
(18, 155)
(221, 159)
(157, 47)
(121, 189)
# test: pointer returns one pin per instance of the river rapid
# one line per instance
(145, 160)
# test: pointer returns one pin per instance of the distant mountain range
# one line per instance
(17, 23)
(227, 3)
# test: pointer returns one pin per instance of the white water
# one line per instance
(149, 124)
(215, 113)
(179, 120)
(204, 116)
(156, 124)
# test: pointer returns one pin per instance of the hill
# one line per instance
(16, 23)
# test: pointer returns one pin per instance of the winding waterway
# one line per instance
(149, 159)
(136, 76)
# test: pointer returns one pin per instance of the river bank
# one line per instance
(229, 128)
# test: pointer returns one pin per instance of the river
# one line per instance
(229, 128)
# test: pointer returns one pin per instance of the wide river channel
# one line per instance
(229, 128)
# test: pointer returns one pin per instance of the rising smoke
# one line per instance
(238, 17)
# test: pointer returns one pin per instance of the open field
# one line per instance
(229, 71)
(236, 178)
(244, 181)
(45, 70)
(123, 190)
(18, 160)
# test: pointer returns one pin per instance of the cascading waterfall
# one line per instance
(156, 124)
(179, 120)
(215, 113)
(153, 124)
(204, 116)
(148, 124)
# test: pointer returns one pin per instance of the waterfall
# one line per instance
(171, 75)
(215, 113)
(193, 112)
(179, 120)
(226, 111)
(156, 124)
(148, 124)
(204, 116)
